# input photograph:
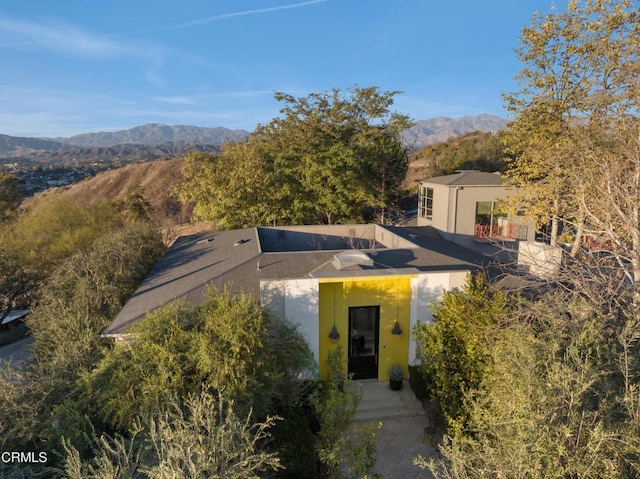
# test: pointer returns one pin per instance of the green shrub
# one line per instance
(418, 383)
(295, 445)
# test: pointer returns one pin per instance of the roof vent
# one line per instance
(346, 259)
(240, 241)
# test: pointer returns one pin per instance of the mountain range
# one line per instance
(155, 140)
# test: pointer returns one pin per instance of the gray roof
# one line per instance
(235, 259)
(15, 315)
(467, 178)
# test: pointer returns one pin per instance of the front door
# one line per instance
(364, 327)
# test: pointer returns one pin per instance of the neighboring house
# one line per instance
(13, 319)
(361, 286)
(462, 208)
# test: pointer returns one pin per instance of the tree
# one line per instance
(552, 405)
(481, 151)
(226, 344)
(76, 304)
(331, 157)
(17, 286)
(579, 86)
(10, 196)
(136, 205)
(453, 352)
(55, 227)
(576, 133)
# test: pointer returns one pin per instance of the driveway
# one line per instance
(17, 352)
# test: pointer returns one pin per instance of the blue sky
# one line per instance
(80, 66)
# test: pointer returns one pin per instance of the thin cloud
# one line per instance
(63, 38)
(174, 100)
(243, 13)
(59, 38)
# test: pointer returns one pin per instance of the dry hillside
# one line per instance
(157, 179)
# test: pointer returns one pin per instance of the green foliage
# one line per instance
(330, 158)
(552, 404)
(84, 293)
(55, 228)
(143, 375)
(79, 301)
(418, 383)
(339, 449)
(454, 351)
(574, 137)
(362, 451)
(17, 285)
(136, 205)
(205, 438)
(295, 443)
(10, 196)
(233, 329)
(473, 151)
(231, 446)
(225, 344)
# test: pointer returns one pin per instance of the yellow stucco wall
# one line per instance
(391, 293)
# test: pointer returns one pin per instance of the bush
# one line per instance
(454, 351)
(295, 445)
(418, 383)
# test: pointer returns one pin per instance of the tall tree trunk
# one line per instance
(577, 241)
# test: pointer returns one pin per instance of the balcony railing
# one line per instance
(509, 231)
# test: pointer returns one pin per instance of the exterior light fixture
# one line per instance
(397, 330)
(333, 335)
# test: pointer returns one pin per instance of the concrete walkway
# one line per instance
(402, 436)
(16, 353)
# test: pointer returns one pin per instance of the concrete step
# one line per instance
(380, 402)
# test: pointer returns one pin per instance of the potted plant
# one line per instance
(396, 374)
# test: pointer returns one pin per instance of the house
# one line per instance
(363, 287)
(13, 318)
(462, 208)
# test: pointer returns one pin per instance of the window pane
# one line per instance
(484, 207)
(425, 202)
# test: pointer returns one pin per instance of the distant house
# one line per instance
(13, 319)
(462, 208)
(360, 286)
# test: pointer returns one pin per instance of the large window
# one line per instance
(489, 223)
(425, 203)
(493, 224)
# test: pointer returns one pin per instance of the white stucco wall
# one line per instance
(301, 306)
(441, 208)
(272, 297)
(542, 260)
(425, 290)
(296, 300)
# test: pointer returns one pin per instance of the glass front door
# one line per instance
(364, 327)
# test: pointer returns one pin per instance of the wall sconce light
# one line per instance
(333, 335)
(397, 330)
